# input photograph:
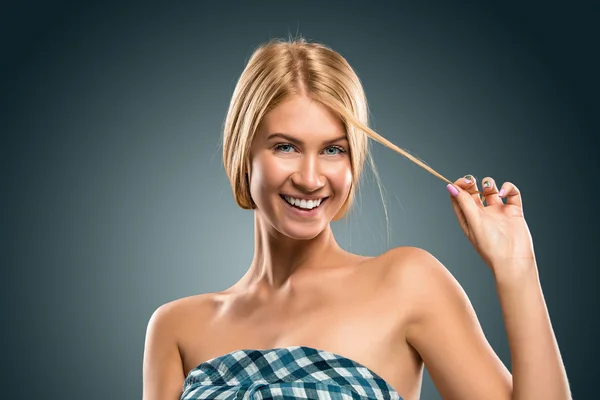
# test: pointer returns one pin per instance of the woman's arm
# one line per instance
(447, 333)
(538, 370)
(162, 371)
(462, 365)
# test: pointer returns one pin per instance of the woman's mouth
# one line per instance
(306, 207)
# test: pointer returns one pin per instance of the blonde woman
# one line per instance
(310, 320)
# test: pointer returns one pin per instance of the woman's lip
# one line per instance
(304, 198)
(304, 213)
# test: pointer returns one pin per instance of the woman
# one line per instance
(311, 320)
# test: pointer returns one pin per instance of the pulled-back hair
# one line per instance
(280, 69)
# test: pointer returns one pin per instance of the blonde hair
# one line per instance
(279, 69)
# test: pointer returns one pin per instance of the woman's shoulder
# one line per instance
(178, 313)
(416, 271)
(405, 260)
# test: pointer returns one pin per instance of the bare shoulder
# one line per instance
(163, 373)
(404, 257)
(417, 269)
(422, 281)
(175, 313)
(414, 267)
(173, 321)
(440, 304)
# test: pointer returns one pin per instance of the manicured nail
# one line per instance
(501, 192)
(487, 184)
(452, 190)
(468, 178)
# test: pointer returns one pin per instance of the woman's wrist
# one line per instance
(511, 272)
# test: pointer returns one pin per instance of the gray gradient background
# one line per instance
(114, 199)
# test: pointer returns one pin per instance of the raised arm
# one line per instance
(500, 235)
(162, 370)
(447, 335)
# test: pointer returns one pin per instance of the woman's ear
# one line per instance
(248, 170)
(247, 175)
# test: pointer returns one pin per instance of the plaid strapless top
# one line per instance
(295, 372)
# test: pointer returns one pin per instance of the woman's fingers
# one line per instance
(512, 194)
(490, 191)
(469, 184)
(491, 194)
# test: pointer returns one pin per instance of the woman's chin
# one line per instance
(296, 232)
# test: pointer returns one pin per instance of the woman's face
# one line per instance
(300, 171)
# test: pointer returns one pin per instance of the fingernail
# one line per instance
(487, 184)
(501, 192)
(468, 178)
(452, 190)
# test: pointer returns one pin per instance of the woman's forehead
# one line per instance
(302, 118)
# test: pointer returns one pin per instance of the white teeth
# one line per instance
(306, 204)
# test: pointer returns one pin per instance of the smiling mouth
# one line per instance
(304, 205)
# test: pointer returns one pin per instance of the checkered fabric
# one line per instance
(286, 373)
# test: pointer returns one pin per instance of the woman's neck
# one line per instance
(277, 257)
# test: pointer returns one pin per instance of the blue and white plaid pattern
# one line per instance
(286, 373)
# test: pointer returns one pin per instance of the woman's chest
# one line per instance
(366, 328)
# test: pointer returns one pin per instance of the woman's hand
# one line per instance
(498, 231)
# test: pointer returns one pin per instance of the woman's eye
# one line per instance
(284, 148)
(334, 150)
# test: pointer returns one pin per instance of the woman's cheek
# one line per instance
(280, 170)
(341, 179)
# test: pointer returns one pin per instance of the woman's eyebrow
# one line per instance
(298, 141)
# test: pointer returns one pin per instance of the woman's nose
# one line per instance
(308, 176)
